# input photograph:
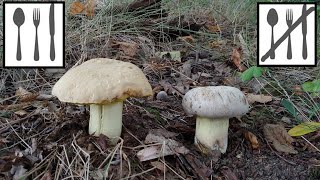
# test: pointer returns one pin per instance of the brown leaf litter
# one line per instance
(279, 137)
(163, 146)
(128, 48)
(260, 98)
(252, 139)
(24, 95)
(236, 59)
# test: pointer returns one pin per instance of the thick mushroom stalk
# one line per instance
(106, 119)
(212, 133)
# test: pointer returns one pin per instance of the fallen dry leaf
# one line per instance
(206, 75)
(198, 166)
(169, 88)
(76, 8)
(279, 137)
(25, 95)
(15, 106)
(157, 89)
(182, 86)
(159, 165)
(152, 152)
(129, 49)
(90, 8)
(252, 139)
(186, 68)
(188, 39)
(236, 59)
(297, 90)
(260, 98)
(216, 44)
(244, 47)
(21, 112)
(162, 132)
(163, 147)
(213, 28)
(80, 8)
(232, 81)
(18, 171)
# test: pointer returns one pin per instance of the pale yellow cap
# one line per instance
(102, 81)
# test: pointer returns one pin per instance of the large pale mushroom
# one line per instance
(103, 84)
(213, 106)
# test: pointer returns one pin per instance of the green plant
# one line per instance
(252, 72)
(312, 86)
(304, 128)
(290, 108)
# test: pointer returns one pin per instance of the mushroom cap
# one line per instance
(215, 102)
(102, 81)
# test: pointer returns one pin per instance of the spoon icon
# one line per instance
(18, 19)
(272, 19)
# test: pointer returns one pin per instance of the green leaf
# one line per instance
(253, 71)
(311, 86)
(307, 86)
(289, 107)
(314, 111)
(304, 128)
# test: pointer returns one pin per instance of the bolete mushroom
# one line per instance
(103, 84)
(213, 106)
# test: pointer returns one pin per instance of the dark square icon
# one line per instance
(287, 34)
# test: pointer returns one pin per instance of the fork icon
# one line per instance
(36, 22)
(289, 17)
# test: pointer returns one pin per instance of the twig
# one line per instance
(185, 76)
(16, 121)
(310, 143)
(172, 170)
(133, 135)
(20, 137)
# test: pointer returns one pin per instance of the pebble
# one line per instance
(162, 96)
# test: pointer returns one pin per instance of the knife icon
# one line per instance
(51, 24)
(304, 33)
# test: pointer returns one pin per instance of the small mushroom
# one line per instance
(103, 84)
(213, 106)
(162, 96)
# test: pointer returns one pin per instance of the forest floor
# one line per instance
(43, 138)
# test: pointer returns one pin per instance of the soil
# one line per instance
(141, 115)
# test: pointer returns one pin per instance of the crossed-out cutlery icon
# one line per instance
(272, 19)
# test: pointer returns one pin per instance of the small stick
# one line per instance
(310, 143)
